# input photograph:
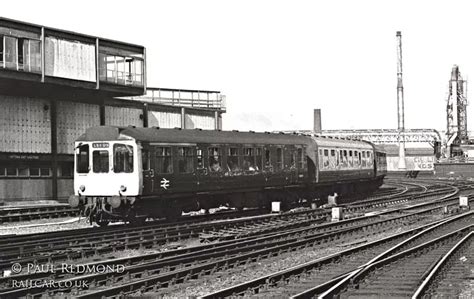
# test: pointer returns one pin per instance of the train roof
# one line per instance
(154, 134)
(335, 142)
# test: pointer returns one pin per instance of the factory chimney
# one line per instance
(400, 105)
(317, 121)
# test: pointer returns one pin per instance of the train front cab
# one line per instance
(106, 178)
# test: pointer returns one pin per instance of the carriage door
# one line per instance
(148, 173)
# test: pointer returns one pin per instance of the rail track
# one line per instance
(26, 213)
(166, 269)
(448, 276)
(316, 277)
(400, 274)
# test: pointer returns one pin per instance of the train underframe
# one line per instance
(135, 210)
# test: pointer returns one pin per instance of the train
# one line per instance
(133, 173)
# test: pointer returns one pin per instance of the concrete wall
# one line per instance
(121, 116)
(25, 125)
(65, 188)
(25, 189)
(164, 119)
(73, 120)
(205, 121)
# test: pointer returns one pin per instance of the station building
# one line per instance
(54, 84)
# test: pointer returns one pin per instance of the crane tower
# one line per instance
(456, 133)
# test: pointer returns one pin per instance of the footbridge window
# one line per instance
(121, 67)
(21, 54)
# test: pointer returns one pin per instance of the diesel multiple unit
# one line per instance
(131, 173)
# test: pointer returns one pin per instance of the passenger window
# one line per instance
(215, 159)
(200, 162)
(82, 159)
(321, 159)
(100, 161)
(123, 158)
(233, 159)
(293, 160)
(185, 159)
(332, 160)
(268, 160)
(300, 158)
(258, 159)
(326, 159)
(164, 162)
(279, 158)
(249, 163)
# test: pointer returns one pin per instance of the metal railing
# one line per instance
(184, 98)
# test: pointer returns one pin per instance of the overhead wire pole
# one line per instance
(400, 105)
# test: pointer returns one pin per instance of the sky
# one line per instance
(276, 61)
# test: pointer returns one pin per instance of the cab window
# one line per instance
(82, 159)
(123, 158)
(100, 161)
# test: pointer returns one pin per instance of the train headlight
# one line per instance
(123, 188)
(82, 188)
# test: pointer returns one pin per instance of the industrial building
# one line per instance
(54, 84)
